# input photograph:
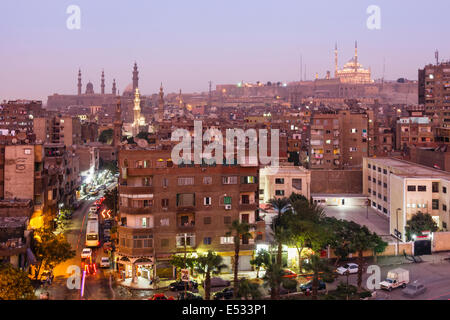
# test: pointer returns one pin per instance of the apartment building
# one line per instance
(434, 93)
(282, 181)
(58, 129)
(413, 131)
(168, 209)
(399, 189)
(339, 139)
(17, 116)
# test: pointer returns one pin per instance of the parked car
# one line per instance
(86, 253)
(180, 285)
(350, 267)
(395, 278)
(189, 296)
(105, 263)
(226, 294)
(309, 284)
(414, 289)
(287, 273)
(218, 282)
(160, 296)
(107, 246)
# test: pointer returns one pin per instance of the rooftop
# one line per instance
(13, 222)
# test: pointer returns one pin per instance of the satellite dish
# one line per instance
(14, 140)
(142, 143)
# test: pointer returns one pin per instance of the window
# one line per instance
(27, 151)
(248, 179)
(207, 220)
(374, 168)
(165, 182)
(226, 240)
(444, 207)
(369, 190)
(369, 178)
(379, 182)
(422, 188)
(207, 240)
(245, 199)
(185, 181)
(435, 204)
(164, 203)
(207, 201)
(297, 184)
(411, 188)
(279, 181)
(229, 180)
(354, 130)
(368, 166)
(207, 180)
(353, 149)
(279, 192)
(185, 199)
(379, 169)
(148, 203)
(385, 199)
(435, 187)
(384, 171)
(164, 222)
(227, 220)
(385, 185)
(147, 182)
(444, 189)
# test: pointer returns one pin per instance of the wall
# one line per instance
(441, 241)
(336, 181)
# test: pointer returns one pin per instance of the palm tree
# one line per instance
(272, 278)
(239, 230)
(206, 265)
(316, 265)
(261, 259)
(280, 205)
(249, 289)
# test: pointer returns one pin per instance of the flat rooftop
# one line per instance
(410, 169)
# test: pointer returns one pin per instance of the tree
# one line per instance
(206, 265)
(111, 199)
(418, 223)
(316, 265)
(273, 278)
(261, 259)
(106, 136)
(14, 284)
(294, 197)
(249, 289)
(362, 240)
(281, 206)
(239, 230)
(339, 237)
(51, 249)
(180, 262)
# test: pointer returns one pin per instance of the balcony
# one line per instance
(185, 209)
(248, 206)
(186, 227)
(136, 190)
(140, 171)
(130, 210)
(135, 251)
(248, 187)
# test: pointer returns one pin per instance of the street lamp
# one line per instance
(397, 232)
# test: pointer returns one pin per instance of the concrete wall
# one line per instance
(336, 181)
(441, 241)
(389, 251)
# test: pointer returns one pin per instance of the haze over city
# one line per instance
(185, 44)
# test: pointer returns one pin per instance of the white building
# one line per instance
(399, 189)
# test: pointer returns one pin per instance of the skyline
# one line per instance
(186, 45)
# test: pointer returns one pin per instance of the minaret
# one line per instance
(114, 88)
(160, 114)
(103, 82)
(335, 60)
(135, 77)
(180, 100)
(117, 125)
(356, 55)
(79, 82)
(137, 112)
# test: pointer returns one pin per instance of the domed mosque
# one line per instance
(352, 72)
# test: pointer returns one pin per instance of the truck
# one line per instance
(395, 278)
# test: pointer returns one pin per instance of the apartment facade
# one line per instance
(168, 209)
(279, 182)
(399, 189)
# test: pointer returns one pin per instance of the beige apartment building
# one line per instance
(399, 189)
(282, 181)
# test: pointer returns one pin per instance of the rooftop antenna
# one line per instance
(436, 55)
(210, 94)
(301, 67)
(384, 69)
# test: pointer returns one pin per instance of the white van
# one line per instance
(395, 278)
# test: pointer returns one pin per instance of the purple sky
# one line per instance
(185, 44)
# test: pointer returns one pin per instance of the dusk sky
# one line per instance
(184, 44)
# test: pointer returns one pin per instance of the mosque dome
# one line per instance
(89, 88)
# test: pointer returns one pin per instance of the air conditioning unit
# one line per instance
(228, 207)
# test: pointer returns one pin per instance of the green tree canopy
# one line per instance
(206, 265)
(14, 284)
(418, 223)
(261, 259)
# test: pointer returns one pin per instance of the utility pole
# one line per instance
(396, 234)
(210, 95)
